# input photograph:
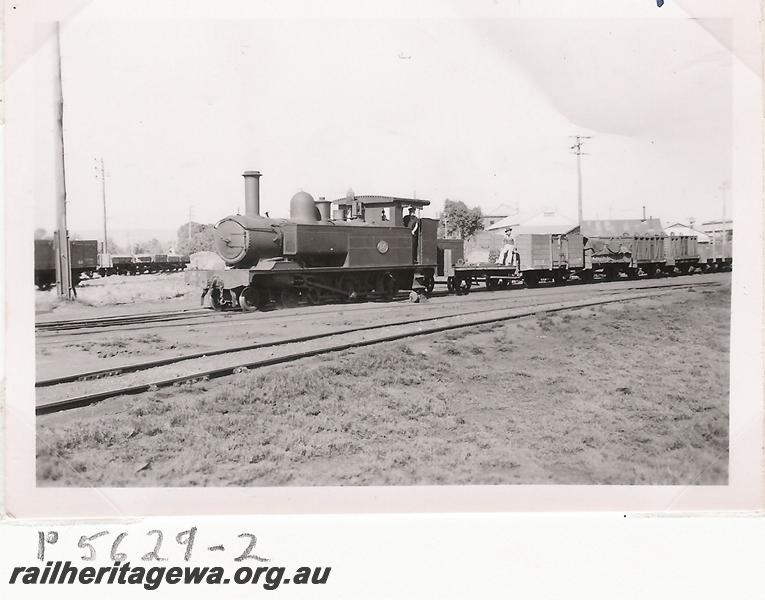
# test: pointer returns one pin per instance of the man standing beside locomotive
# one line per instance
(412, 222)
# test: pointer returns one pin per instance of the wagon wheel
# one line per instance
(491, 283)
(463, 285)
(450, 284)
(386, 286)
(289, 297)
(250, 299)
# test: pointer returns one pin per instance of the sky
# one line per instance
(478, 110)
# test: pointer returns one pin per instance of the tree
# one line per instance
(153, 246)
(114, 248)
(458, 220)
(202, 238)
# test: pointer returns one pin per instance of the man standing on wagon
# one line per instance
(507, 255)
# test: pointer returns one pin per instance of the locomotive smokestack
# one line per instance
(251, 193)
(324, 206)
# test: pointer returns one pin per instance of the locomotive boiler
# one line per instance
(363, 248)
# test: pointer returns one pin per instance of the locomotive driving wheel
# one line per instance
(215, 298)
(250, 299)
(429, 282)
(313, 296)
(386, 286)
(289, 297)
(350, 290)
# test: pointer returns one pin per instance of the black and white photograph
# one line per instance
(449, 249)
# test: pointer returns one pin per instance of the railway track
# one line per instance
(173, 318)
(133, 367)
(118, 320)
(388, 333)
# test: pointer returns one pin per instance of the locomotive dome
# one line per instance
(303, 208)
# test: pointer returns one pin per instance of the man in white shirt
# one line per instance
(507, 253)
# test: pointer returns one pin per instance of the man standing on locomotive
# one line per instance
(412, 222)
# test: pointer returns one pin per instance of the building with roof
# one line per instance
(485, 245)
(497, 214)
(504, 223)
(682, 229)
(620, 227)
(548, 222)
(712, 226)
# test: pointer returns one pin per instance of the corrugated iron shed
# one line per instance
(710, 226)
(548, 222)
(680, 229)
(618, 227)
(510, 221)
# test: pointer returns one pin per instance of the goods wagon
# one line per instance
(627, 254)
(110, 264)
(83, 258)
(115, 264)
(717, 253)
(549, 256)
(681, 252)
(539, 257)
(143, 263)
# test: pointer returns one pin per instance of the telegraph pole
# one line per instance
(63, 262)
(100, 172)
(577, 149)
(724, 234)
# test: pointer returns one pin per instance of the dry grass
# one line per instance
(127, 345)
(625, 394)
(118, 290)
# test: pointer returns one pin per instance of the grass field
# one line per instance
(120, 290)
(632, 393)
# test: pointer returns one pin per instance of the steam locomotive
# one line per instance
(363, 249)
